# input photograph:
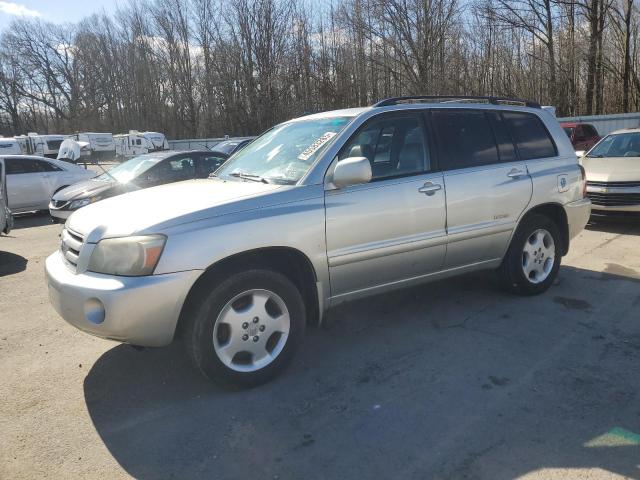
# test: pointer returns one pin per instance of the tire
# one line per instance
(223, 333)
(535, 240)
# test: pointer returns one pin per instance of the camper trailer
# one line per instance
(157, 141)
(101, 145)
(131, 144)
(43, 145)
(9, 146)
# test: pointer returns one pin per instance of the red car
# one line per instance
(583, 135)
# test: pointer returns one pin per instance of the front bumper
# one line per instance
(59, 213)
(616, 208)
(578, 214)
(138, 310)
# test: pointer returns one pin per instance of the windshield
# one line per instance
(568, 131)
(130, 169)
(618, 145)
(284, 153)
(225, 147)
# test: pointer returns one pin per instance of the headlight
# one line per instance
(76, 204)
(127, 256)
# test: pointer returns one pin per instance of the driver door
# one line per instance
(392, 229)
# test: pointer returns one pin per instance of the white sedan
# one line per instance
(32, 180)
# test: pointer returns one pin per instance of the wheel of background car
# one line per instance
(532, 261)
(247, 328)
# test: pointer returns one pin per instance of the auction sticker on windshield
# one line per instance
(315, 146)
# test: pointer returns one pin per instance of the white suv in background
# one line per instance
(317, 211)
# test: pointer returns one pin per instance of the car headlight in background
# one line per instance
(76, 204)
(127, 256)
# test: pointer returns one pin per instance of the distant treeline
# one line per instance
(202, 68)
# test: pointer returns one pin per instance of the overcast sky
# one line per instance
(57, 11)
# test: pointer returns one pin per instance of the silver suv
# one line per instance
(320, 210)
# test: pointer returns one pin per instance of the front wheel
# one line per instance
(247, 328)
(533, 259)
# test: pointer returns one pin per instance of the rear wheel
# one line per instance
(533, 259)
(247, 328)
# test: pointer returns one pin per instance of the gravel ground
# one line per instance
(450, 380)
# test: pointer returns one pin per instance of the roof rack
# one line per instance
(455, 99)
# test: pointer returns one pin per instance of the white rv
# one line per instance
(131, 144)
(102, 145)
(9, 146)
(157, 141)
(43, 145)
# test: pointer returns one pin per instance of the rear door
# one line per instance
(487, 184)
(25, 189)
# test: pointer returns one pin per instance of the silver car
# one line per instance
(320, 210)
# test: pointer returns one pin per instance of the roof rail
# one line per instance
(454, 99)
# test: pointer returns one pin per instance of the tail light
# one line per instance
(583, 180)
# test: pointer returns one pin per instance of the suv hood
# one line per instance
(85, 189)
(612, 169)
(154, 209)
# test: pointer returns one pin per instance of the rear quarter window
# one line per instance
(530, 135)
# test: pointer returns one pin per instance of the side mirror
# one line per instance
(580, 153)
(352, 171)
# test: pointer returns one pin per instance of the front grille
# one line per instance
(614, 199)
(71, 245)
(614, 184)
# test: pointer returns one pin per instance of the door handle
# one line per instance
(515, 173)
(429, 188)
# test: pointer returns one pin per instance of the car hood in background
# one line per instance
(611, 169)
(153, 209)
(87, 188)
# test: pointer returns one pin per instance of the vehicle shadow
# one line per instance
(11, 263)
(628, 224)
(453, 379)
(30, 220)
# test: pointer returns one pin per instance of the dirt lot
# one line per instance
(449, 380)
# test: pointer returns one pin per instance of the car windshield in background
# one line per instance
(618, 145)
(130, 169)
(284, 153)
(568, 131)
(53, 144)
(225, 147)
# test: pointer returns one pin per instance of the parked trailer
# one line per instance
(130, 144)
(101, 145)
(43, 145)
(9, 146)
(157, 141)
(606, 124)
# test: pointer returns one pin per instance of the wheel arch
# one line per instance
(555, 212)
(288, 261)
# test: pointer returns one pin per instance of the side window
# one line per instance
(506, 149)
(580, 133)
(209, 164)
(590, 132)
(394, 145)
(182, 169)
(530, 134)
(42, 166)
(28, 165)
(466, 138)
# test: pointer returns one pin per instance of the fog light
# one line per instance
(94, 311)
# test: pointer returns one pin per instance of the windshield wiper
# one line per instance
(248, 176)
